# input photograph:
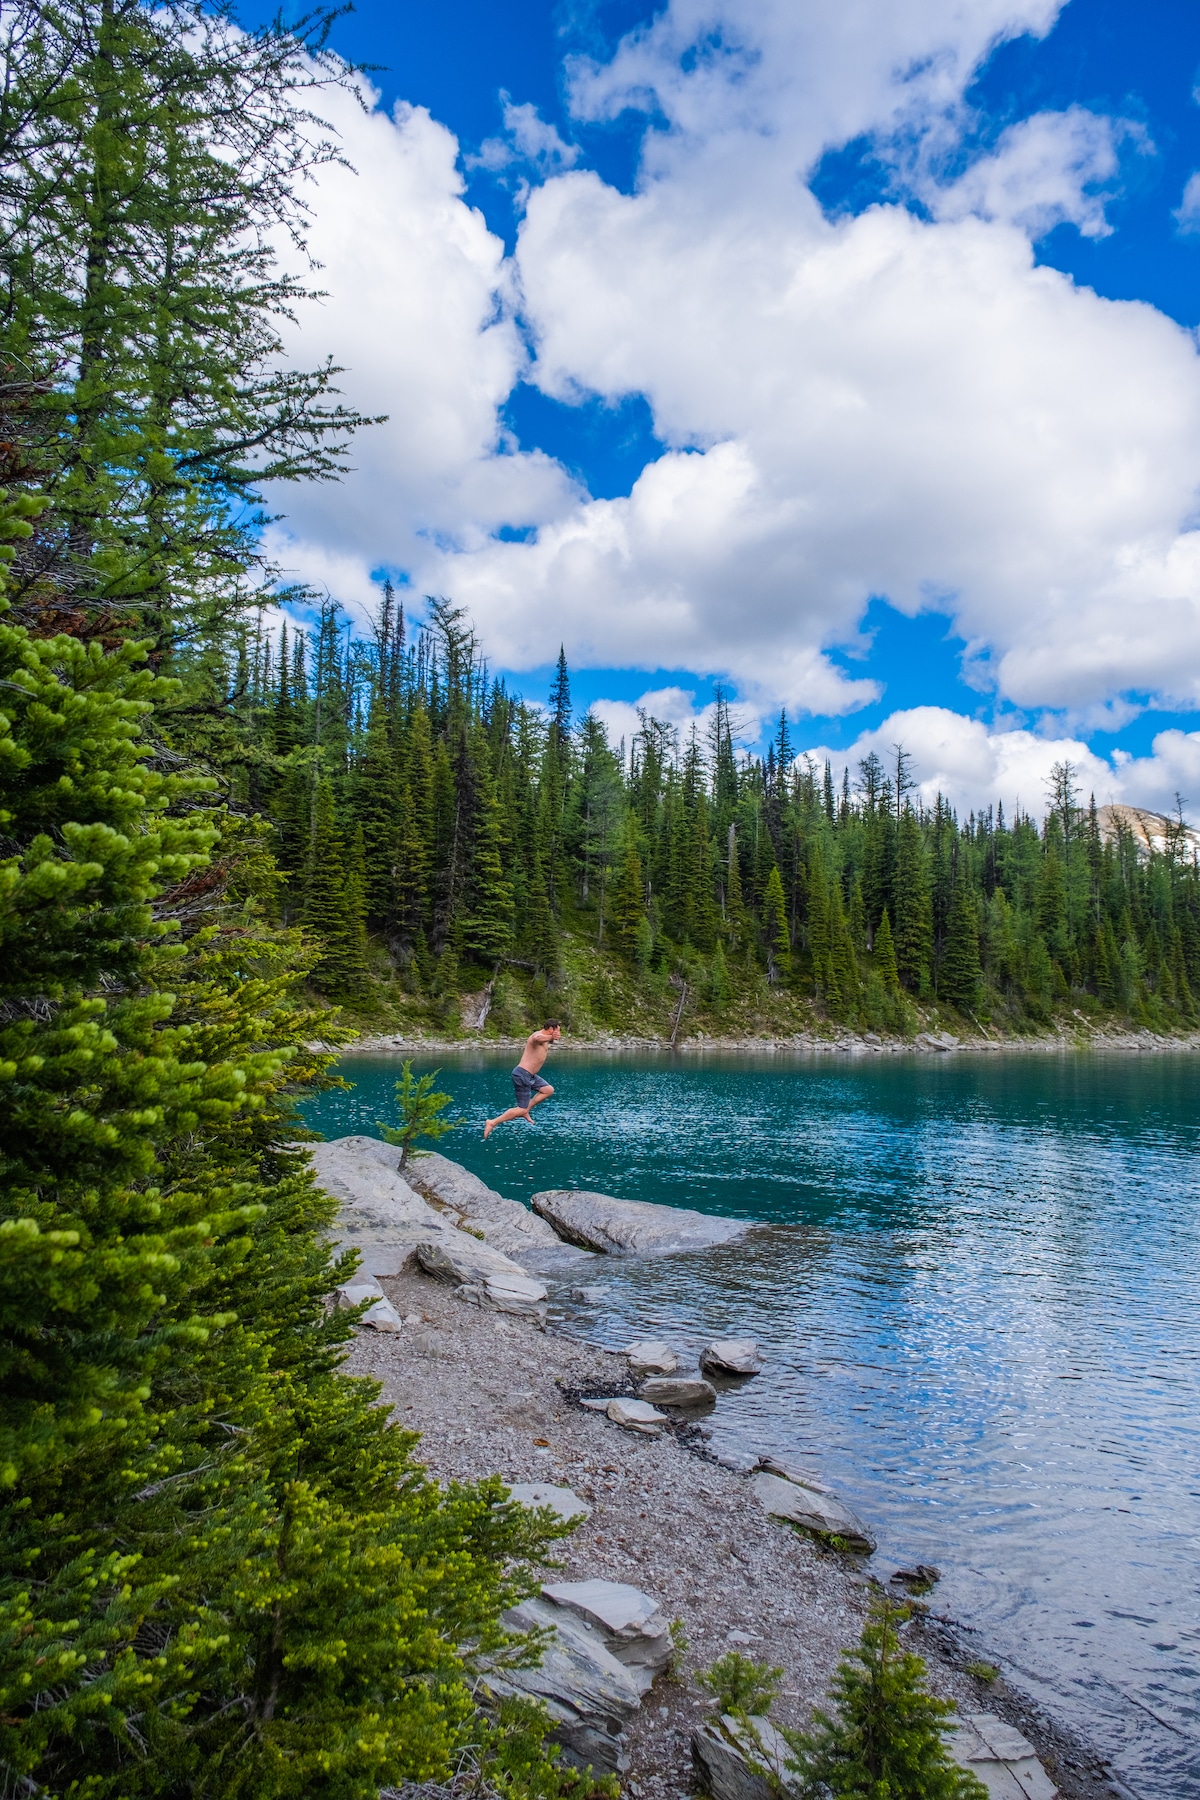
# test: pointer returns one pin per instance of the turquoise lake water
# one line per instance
(975, 1285)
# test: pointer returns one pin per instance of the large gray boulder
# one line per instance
(788, 1492)
(630, 1227)
(631, 1624)
(464, 1198)
(517, 1294)
(590, 1696)
(742, 1759)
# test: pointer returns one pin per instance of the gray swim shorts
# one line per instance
(526, 1084)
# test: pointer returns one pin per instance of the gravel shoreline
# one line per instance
(492, 1394)
(844, 1044)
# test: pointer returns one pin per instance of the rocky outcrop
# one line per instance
(630, 1227)
(483, 1276)
(998, 1755)
(590, 1696)
(790, 1493)
(742, 1759)
(678, 1390)
(465, 1199)
(379, 1214)
(630, 1623)
(731, 1356)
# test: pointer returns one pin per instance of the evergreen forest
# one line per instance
(462, 856)
(228, 837)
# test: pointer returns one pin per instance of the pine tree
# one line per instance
(960, 974)
(486, 931)
(376, 801)
(885, 1741)
(627, 908)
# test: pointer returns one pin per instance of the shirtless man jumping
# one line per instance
(527, 1081)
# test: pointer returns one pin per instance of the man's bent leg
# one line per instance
(543, 1093)
(514, 1112)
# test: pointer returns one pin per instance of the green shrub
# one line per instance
(740, 1685)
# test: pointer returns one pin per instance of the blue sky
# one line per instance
(656, 188)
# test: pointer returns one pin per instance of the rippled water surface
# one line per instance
(975, 1283)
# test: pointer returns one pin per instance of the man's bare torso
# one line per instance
(537, 1048)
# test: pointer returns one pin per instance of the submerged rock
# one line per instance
(998, 1755)
(678, 1390)
(589, 1695)
(648, 1356)
(789, 1493)
(742, 1759)
(731, 1356)
(630, 1227)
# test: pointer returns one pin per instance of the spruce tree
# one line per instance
(627, 907)
(886, 1739)
(334, 909)
(221, 1574)
(885, 955)
(960, 974)
(775, 924)
(912, 928)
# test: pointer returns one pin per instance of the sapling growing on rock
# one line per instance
(886, 1739)
(420, 1111)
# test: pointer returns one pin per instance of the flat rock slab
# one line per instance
(819, 1512)
(507, 1224)
(630, 1623)
(636, 1415)
(739, 1759)
(998, 1755)
(589, 1695)
(731, 1356)
(678, 1390)
(648, 1356)
(562, 1500)
(630, 1227)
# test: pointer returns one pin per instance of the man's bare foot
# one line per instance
(488, 1129)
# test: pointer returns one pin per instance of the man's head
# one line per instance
(553, 1028)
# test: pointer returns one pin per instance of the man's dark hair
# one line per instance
(552, 1025)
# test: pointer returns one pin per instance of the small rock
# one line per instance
(518, 1294)
(731, 1356)
(597, 1405)
(383, 1317)
(921, 1577)
(587, 1296)
(742, 1759)
(738, 1637)
(636, 1415)
(561, 1500)
(650, 1357)
(681, 1390)
(360, 1287)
